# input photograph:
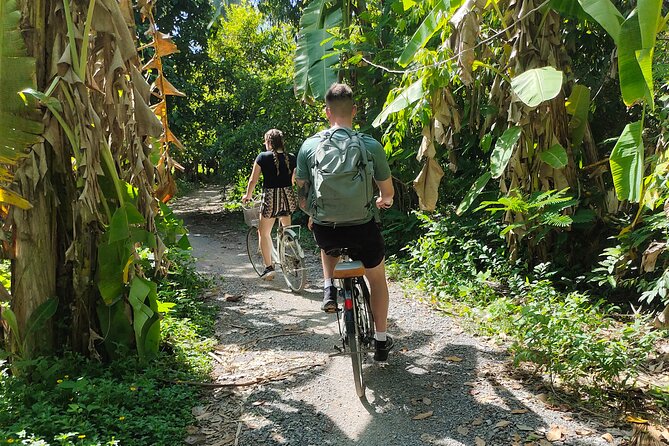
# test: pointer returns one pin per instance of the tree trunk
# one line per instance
(34, 263)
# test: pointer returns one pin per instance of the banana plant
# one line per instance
(20, 122)
(635, 37)
(316, 58)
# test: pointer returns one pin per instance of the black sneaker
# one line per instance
(268, 274)
(329, 299)
(382, 349)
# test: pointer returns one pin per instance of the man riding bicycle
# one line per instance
(360, 232)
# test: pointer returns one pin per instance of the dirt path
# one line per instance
(441, 386)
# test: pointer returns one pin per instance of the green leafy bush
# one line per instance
(577, 340)
(75, 401)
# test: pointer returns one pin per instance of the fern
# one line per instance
(556, 220)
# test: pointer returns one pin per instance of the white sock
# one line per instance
(380, 336)
(327, 283)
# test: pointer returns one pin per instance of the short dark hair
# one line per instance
(339, 98)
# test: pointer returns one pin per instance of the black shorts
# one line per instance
(364, 242)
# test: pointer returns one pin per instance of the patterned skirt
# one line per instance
(277, 202)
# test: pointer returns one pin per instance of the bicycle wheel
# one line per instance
(292, 261)
(353, 340)
(253, 250)
(364, 316)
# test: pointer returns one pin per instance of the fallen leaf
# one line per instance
(422, 416)
(608, 437)
(524, 427)
(469, 383)
(554, 434)
(427, 401)
(462, 430)
(479, 441)
(453, 358)
(503, 423)
(637, 420)
(427, 438)
(232, 297)
(544, 442)
(477, 421)
(543, 398)
(519, 411)
(437, 386)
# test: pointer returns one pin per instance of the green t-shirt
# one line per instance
(381, 169)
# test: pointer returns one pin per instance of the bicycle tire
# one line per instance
(364, 315)
(253, 250)
(353, 340)
(292, 262)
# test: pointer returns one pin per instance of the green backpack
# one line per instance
(341, 189)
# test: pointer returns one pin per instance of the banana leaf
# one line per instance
(315, 55)
(626, 162)
(425, 31)
(20, 123)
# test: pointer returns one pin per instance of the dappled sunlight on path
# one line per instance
(284, 384)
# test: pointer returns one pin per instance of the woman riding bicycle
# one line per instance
(278, 197)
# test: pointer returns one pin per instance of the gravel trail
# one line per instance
(441, 386)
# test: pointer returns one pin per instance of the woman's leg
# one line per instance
(284, 220)
(265, 233)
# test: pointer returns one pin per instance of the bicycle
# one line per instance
(286, 249)
(356, 326)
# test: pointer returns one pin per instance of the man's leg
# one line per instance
(378, 288)
(329, 291)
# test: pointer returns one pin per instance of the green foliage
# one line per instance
(20, 125)
(73, 400)
(575, 339)
(451, 253)
(537, 85)
(539, 213)
(621, 267)
(36, 321)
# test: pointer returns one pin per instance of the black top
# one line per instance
(270, 179)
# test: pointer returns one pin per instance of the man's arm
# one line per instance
(302, 192)
(386, 193)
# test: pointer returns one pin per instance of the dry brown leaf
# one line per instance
(477, 421)
(462, 430)
(164, 45)
(554, 433)
(650, 255)
(422, 416)
(543, 398)
(524, 427)
(232, 297)
(519, 411)
(426, 184)
(478, 441)
(608, 438)
(503, 423)
(166, 87)
(453, 358)
(427, 401)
